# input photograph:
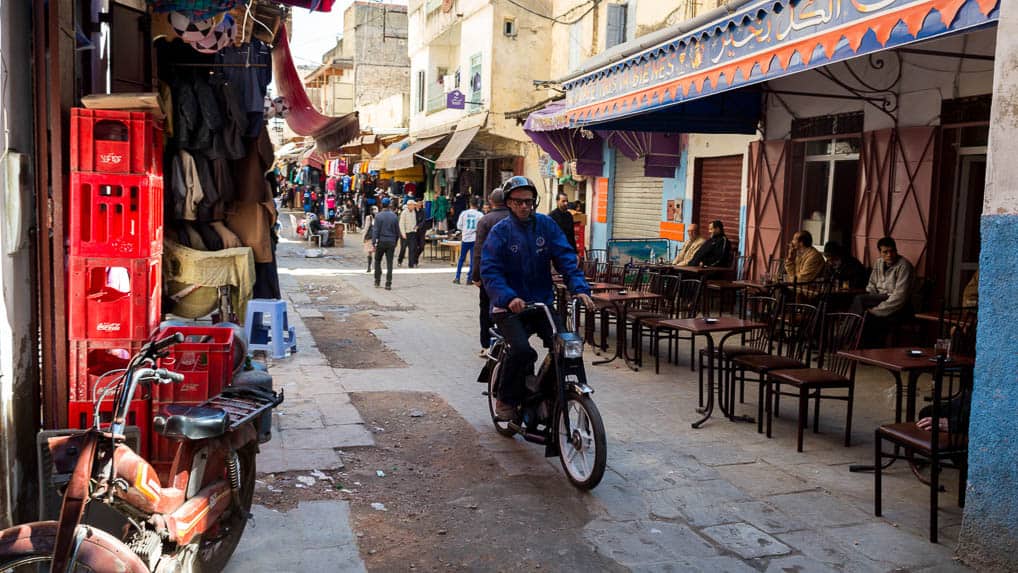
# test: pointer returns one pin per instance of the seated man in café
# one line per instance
(886, 301)
(843, 267)
(803, 263)
(716, 251)
(689, 249)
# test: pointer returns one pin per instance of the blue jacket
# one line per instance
(517, 259)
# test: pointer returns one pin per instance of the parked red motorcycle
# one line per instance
(192, 524)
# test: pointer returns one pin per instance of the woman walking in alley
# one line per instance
(369, 246)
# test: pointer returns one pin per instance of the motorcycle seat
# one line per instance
(179, 422)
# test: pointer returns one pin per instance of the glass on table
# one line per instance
(943, 348)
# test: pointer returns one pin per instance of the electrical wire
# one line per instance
(558, 19)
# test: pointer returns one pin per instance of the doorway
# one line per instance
(829, 181)
(968, 200)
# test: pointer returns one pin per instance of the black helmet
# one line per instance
(520, 182)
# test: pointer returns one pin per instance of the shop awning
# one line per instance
(567, 144)
(457, 145)
(661, 152)
(377, 163)
(759, 41)
(353, 147)
(330, 133)
(404, 159)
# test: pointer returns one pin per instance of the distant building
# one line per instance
(472, 62)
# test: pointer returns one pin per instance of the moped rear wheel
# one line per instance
(27, 563)
(214, 551)
(501, 427)
(583, 449)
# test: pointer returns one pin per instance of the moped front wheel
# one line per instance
(502, 427)
(583, 448)
(215, 548)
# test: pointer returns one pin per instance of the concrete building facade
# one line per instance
(486, 51)
(583, 30)
(375, 42)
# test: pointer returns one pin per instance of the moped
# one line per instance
(558, 411)
(192, 524)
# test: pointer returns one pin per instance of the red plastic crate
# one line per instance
(115, 215)
(205, 358)
(116, 142)
(91, 359)
(79, 415)
(113, 298)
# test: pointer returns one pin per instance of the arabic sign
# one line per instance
(455, 100)
(761, 42)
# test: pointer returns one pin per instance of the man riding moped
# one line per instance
(516, 271)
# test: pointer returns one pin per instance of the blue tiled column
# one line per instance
(989, 535)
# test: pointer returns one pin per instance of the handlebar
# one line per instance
(139, 370)
(158, 346)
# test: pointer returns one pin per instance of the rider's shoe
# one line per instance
(504, 412)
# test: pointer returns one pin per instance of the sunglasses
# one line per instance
(522, 202)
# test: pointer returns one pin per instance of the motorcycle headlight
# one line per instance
(572, 347)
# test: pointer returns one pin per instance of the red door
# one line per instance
(765, 202)
(717, 193)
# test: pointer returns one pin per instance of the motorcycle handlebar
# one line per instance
(160, 345)
(169, 376)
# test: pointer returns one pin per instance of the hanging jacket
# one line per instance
(517, 260)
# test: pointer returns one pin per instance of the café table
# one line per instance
(621, 302)
(454, 249)
(898, 361)
(705, 327)
(700, 271)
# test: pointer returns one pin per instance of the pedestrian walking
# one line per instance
(369, 244)
(467, 224)
(498, 212)
(384, 235)
(408, 234)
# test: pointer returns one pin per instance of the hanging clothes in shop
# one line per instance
(254, 211)
(251, 78)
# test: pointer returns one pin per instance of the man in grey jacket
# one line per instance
(498, 212)
(385, 234)
(887, 299)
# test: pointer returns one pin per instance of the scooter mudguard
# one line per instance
(194, 517)
(99, 551)
(485, 375)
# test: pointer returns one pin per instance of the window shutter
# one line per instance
(616, 25)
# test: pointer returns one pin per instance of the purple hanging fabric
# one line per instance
(565, 144)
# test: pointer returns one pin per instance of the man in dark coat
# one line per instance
(564, 219)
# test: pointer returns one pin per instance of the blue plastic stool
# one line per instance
(274, 337)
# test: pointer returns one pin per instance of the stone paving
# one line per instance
(722, 498)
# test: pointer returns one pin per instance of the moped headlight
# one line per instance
(573, 348)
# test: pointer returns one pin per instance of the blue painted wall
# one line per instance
(675, 188)
(991, 510)
(599, 231)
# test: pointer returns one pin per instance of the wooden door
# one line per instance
(765, 203)
(717, 191)
(908, 215)
(877, 159)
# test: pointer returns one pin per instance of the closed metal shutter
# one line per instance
(718, 192)
(637, 206)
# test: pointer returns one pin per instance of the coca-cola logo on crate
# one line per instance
(111, 158)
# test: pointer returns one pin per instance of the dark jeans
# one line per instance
(409, 243)
(389, 250)
(485, 318)
(517, 329)
(466, 253)
(876, 328)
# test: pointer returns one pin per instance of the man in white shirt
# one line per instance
(467, 224)
(408, 233)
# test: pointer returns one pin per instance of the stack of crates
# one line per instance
(114, 271)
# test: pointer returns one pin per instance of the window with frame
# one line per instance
(616, 29)
(420, 90)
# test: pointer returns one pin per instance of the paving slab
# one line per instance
(798, 564)
(723, 564)
(746, 541)
(636, 543)
(892, 547)
(818, 508)
(299, 460)
(317, 537)
(342, 436)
